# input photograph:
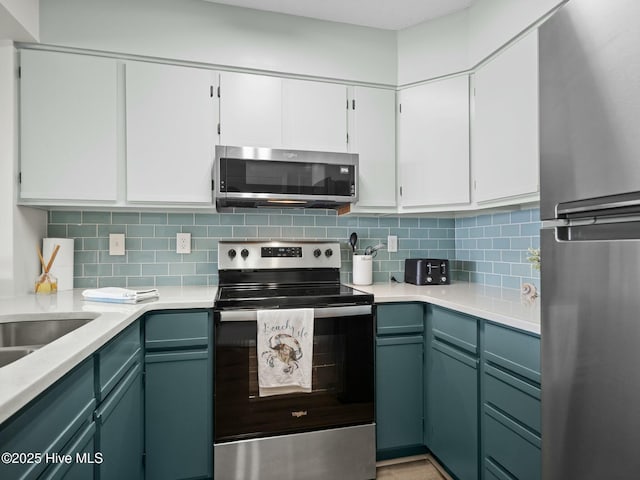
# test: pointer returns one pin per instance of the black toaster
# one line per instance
(426, 271)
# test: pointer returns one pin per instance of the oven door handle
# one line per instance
(324, 312)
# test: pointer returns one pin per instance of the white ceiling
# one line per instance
(387, 14)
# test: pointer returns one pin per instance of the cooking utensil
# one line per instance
(353, 239)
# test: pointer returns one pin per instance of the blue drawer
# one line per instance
(509, 394)
(513, 449)
(170, 330)
(513, 350)
(400, 318)
(455, 328)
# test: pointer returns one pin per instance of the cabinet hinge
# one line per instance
(353, 104)
(218, 129)
(19, 177)
(218, 91)
(400, 107)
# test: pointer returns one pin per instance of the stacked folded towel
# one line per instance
(119, 295)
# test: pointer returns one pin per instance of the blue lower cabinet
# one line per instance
(399, 379)
(511, 411)
(49, 425)
(178, 415)
(399, 395)
(452, 404)
(120, 434)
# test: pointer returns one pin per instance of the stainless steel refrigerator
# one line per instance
(590, 241)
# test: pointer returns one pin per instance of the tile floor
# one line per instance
(418, 469)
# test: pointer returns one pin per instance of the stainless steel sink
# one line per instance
(11, 354)
(19, 338)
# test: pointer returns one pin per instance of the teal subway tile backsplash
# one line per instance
(150, 258)
(493, 249)
(488, 248)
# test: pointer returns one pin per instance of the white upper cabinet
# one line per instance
(314, 115)
(433, 141)
(372, 135)
(171, 116)
(250, 110)
(68, 132)
(505, 151)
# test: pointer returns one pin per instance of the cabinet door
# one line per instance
(452, 405)
(433, 138)
(314, 115)
(83, 452)
(250, 110)
(505, 152)
(171, 133)
(68, 140)
(178, 413)
(372, 135)
(399, 392)
(50, 423)
(120, 433)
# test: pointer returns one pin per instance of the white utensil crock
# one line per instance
(362, 269)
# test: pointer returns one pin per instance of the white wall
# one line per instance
(492, 23)
(19, 20)
(194, 30)
(460, 41)
(21, 228)
(434, 48)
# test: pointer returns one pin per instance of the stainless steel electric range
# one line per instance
(327, 431)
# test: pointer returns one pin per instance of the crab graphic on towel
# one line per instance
(285, 353)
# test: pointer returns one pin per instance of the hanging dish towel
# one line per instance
(285, 351)
(119, 295)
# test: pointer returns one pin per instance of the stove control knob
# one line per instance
(232, 254)
(429, 279)
(328, 252)
(317, 252)
(244, 253)
(443, 279)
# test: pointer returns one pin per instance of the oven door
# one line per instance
(342, 380)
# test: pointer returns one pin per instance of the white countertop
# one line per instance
(503, 306)
(24, 379)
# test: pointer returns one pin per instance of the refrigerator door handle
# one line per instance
(600, 231)
(623, 203)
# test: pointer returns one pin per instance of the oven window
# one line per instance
(342, 382)
(298, 178)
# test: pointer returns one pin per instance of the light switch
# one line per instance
(392, 243)
(116, 244)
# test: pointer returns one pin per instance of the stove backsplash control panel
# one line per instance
(270, 255)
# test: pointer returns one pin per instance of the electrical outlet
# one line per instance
(392, 243)
(116, 244)
(183, 243)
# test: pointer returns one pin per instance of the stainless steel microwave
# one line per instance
(266, 177)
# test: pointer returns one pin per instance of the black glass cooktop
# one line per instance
(308, 295)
